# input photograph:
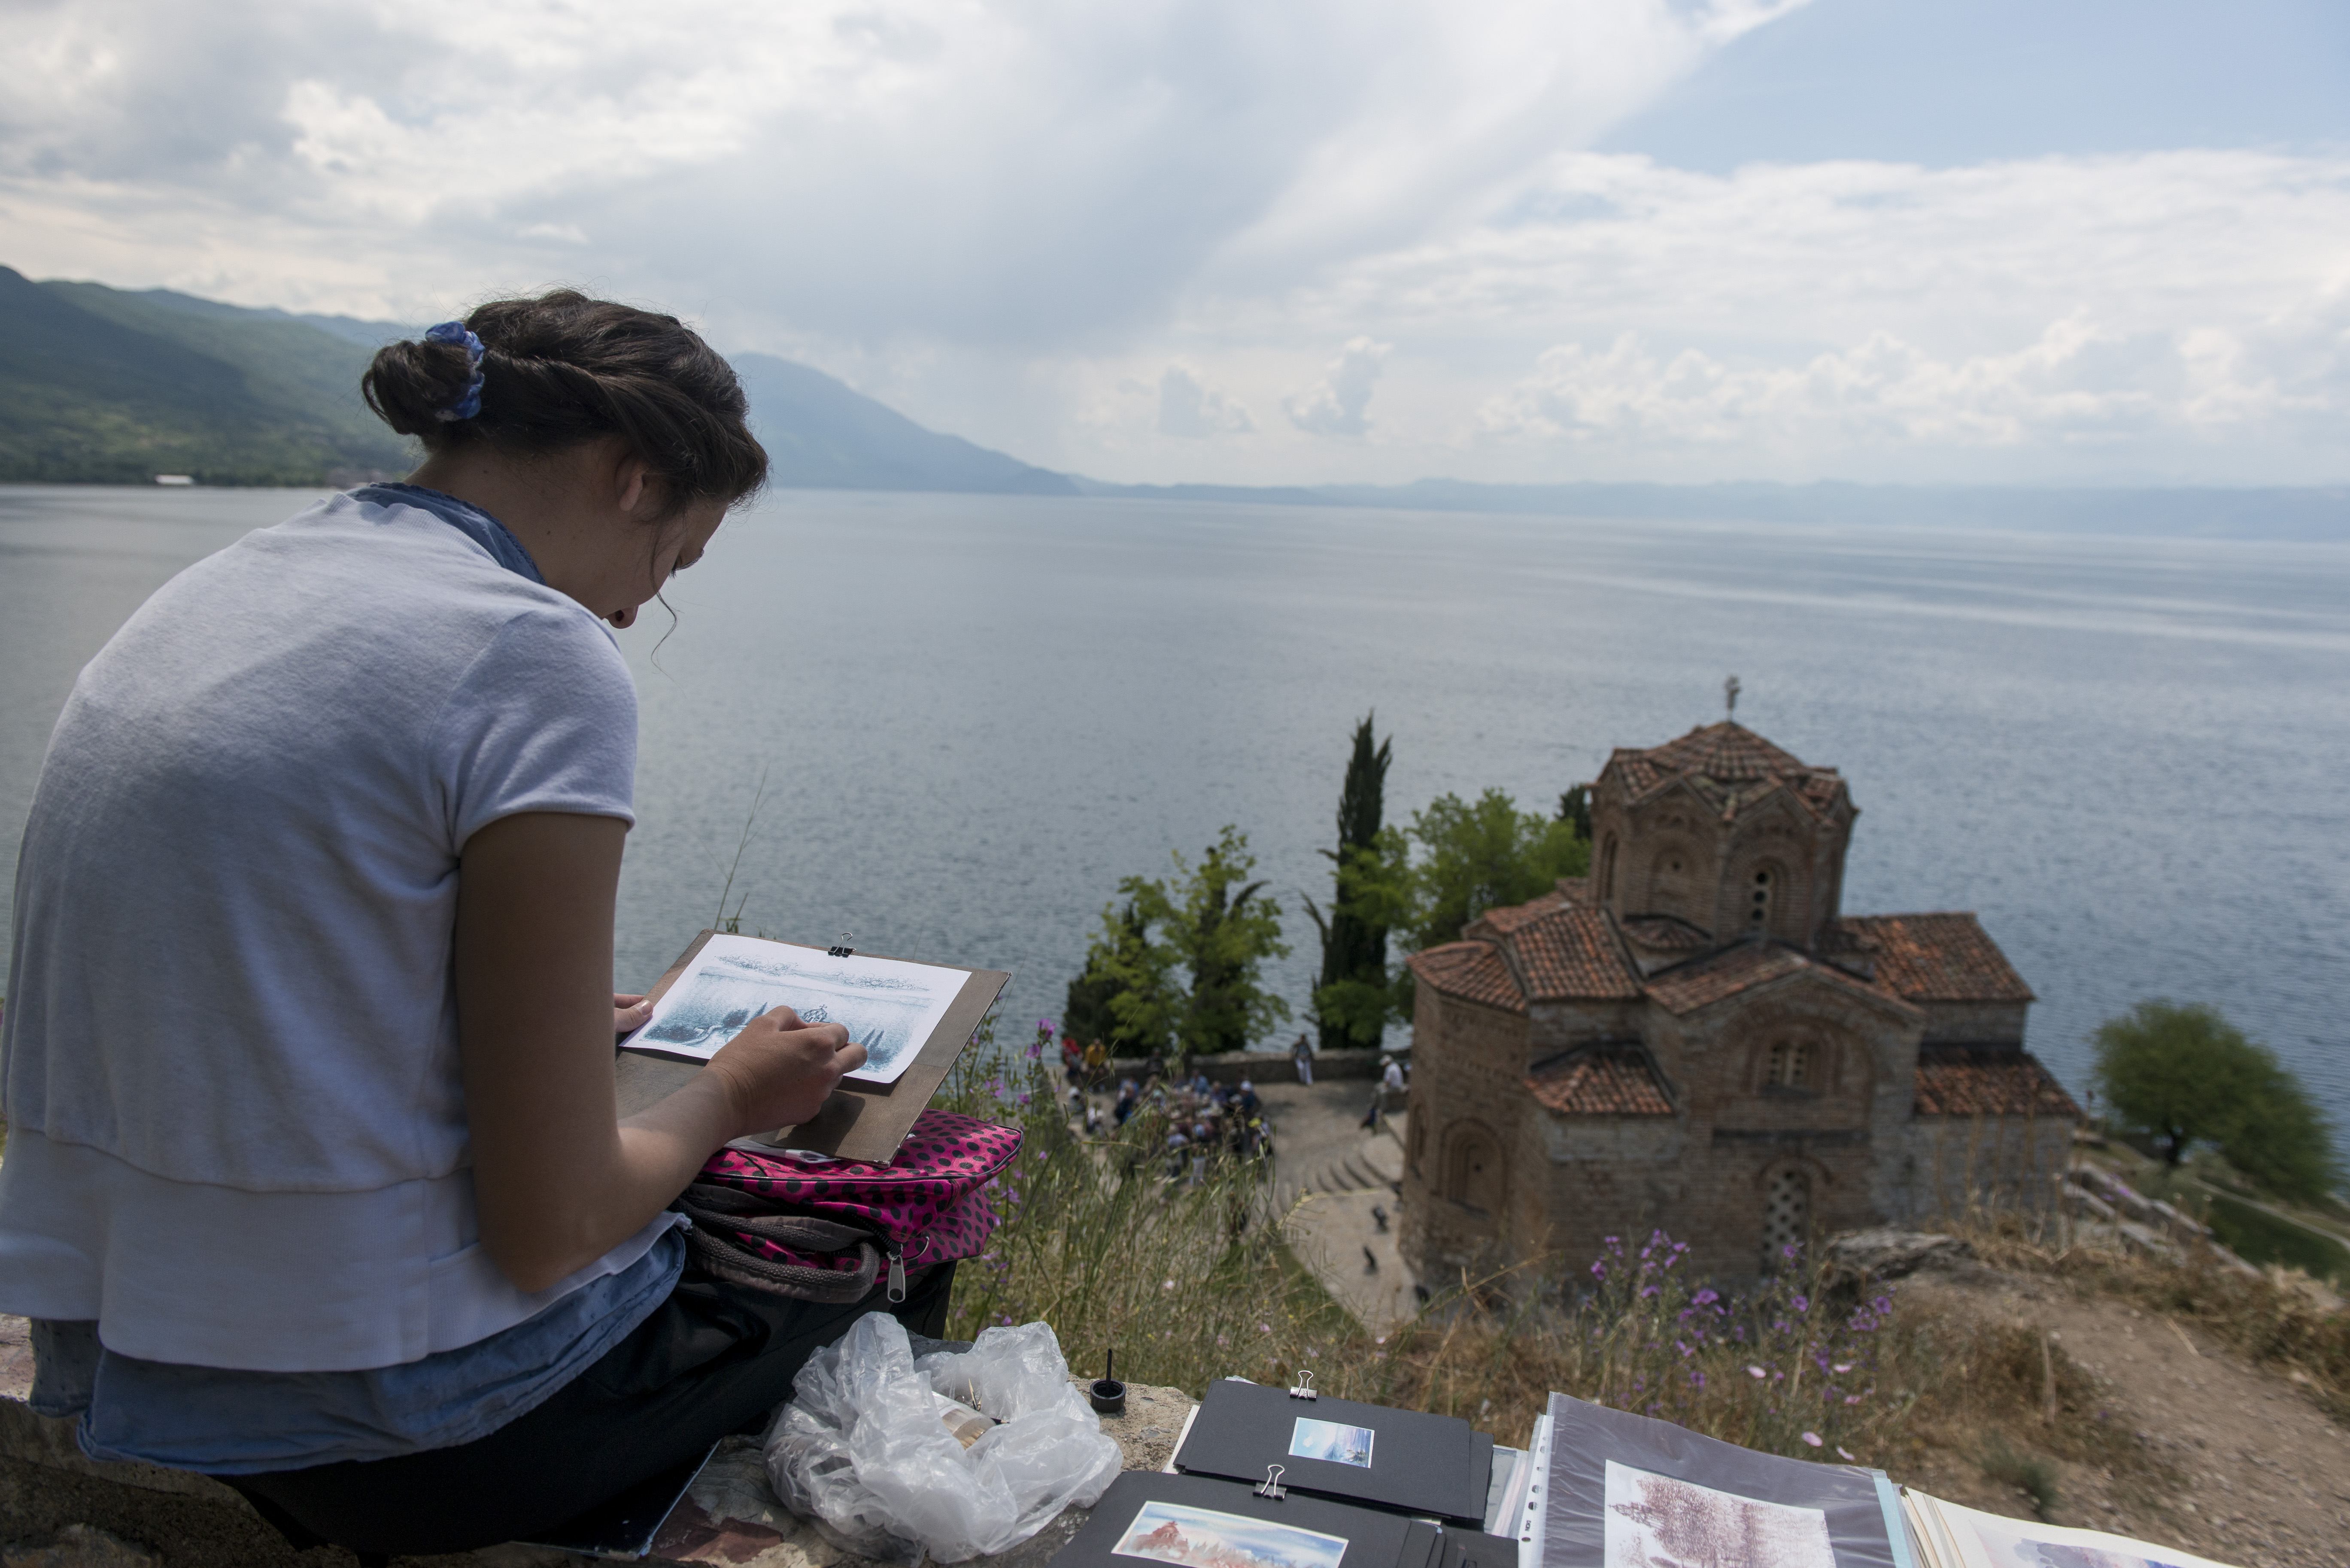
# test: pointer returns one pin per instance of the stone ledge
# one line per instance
(730, 1516)
(1266, 1067)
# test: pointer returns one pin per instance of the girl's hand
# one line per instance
(779, 1071)
(628, 1014)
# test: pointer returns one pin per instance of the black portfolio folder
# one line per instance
(1193, 1522)
(1402, 1460)
(1475, 1549)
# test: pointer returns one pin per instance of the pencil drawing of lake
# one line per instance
(975, 714)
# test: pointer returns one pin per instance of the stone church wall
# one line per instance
(1955, 1164)
(1468, 1097)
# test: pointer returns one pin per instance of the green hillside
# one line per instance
(98, 385)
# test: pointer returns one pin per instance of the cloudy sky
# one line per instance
(2070, 241)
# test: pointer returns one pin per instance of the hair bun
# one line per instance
(409, 383)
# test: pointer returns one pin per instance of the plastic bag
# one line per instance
(867, 1450)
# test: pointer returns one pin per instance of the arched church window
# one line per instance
(1608, 871)
(1758, 903)
(1669, 883)
(1473, 1170)
(1790, 1065)
(1786, 1216)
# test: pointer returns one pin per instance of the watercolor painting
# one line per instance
(889, 1008)
(1659, 1522)
(1332, 1440)
(1203, 1538)
(2015, 1542)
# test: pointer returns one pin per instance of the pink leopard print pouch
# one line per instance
(772, 1214)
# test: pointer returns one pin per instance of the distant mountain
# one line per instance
(100, 385)
(822, 435)
(2318, 512)
(114, 386)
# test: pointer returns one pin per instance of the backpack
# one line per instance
(819, 1229)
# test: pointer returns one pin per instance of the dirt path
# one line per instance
(2266, 1475)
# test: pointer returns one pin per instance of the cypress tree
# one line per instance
(1353, 941)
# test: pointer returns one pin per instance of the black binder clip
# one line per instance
(1271, 1487)
(1305, 1390)
(843, 950)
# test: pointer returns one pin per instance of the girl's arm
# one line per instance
(559, 1179)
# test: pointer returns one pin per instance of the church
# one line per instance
(1697, 1039)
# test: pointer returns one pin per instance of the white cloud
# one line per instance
(998, 214)
(1339, 404)
(1188, 409)
(998, 172)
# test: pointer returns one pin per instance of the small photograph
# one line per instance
(1659, 1522)
(1340, 1444)
(1203, 1538)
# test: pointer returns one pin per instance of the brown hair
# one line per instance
(563, 369)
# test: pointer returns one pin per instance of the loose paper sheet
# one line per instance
(889, 1008)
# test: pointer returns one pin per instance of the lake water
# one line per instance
(975, 714)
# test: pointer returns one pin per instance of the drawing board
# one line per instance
(920, 1014)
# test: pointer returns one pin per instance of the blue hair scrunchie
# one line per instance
(455, 334)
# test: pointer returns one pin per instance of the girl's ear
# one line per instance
(633, 479)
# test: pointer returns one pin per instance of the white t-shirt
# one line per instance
(237, 1130)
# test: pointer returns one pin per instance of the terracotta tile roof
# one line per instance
(1664, 933)
(1601, 1081)
(1988, 1081)
(1685, 988)
(1939, 957)
(1730, 765)
(1728, 753)
(1574, 890)
(1471, 970)
(1573, 954)
(1502, 922)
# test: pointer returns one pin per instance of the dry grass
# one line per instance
(2281, 1318)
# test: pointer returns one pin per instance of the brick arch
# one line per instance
(1471, 1170)
(1673, 880)
(1788, 1190)
(1777, 849)
(1840, 1063)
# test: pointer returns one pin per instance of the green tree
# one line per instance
(1355, 997)
(1484, 856)
(1575, 807)
(2184, 1074)
(1117, 961)
(1207, 922)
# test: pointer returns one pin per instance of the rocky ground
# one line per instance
(2238, 1463)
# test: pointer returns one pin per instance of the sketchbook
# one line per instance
(1193, 1521)
(1367, 1454)
(912, 1018)
(1949, 1536)
(1621, 1490)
